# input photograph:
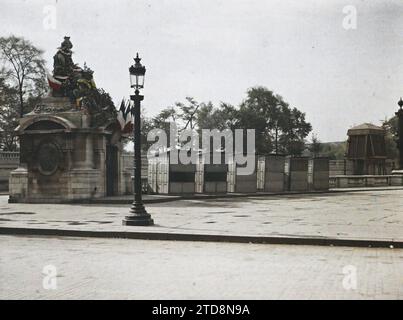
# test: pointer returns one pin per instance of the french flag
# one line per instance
(125, 117)
(54, 83)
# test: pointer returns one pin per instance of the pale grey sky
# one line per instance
(216, 49)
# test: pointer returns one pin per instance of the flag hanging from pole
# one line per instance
(125, 117)
(128, 127)
(122, 114)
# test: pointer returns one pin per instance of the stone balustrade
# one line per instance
(9, 156)
(357, 181)
(8, 162)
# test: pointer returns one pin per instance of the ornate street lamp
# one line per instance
(138, 215)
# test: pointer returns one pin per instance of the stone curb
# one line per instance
(314, 241)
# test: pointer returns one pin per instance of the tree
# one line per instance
(316, 146)
(189, 111)
(251, 115)
(206, 116)
(294, 132)
(8, 117)
(221, 118)
(391, 129)
(23, 68)
(165, 116)
(334, 150)
(163, 120)
(278, 128)
(146, 125)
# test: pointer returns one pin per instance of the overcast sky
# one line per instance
(216, 49)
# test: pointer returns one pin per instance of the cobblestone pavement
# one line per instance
(89, 268)
(355, 215)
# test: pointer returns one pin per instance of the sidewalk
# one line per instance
(367, 218)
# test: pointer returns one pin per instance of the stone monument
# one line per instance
(70, 142)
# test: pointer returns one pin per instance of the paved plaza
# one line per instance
(105, 268)
(376, 215)
(137, 269)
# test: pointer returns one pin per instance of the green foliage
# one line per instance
(315, 146)
(22, 83)
(278, 127)
(23, 68)
(223, 117)
(8, 117)
(188, 112)
(334, 150)
(146, 124)
(391, 128)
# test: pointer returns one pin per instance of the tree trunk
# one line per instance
(21, 100)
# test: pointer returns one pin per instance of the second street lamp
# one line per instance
(138, 215)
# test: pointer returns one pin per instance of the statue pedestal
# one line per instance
(62, 158)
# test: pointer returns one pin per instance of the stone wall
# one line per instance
(214, 178)
(246, 183)
(274, 173)
(242, 183)
(126, 172)
(340, 167)
(318, 175)
(8, 162)
(359, 181)
(297, 174)
(182, 178)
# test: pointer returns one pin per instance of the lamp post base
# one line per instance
(138, 221)
(138, 217)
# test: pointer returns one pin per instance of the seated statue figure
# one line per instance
(69, 80)
(63, 64)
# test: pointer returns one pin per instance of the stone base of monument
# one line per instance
(63, 156)
(70, 186)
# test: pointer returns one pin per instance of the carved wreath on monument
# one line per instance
(48, 157)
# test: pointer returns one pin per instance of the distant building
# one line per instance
(366, 149)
